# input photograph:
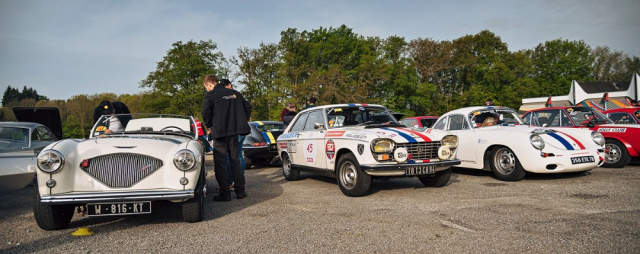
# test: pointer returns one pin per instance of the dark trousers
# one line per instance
(221, 148)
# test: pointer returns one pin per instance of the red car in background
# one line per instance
(624, 115)
(622, 140)
(422, 122)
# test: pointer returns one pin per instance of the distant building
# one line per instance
(596, 94)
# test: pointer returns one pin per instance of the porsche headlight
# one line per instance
(450, 141)
(50, 161)
(598, 138)
(184, 160)
(382, 146)
(537, 142)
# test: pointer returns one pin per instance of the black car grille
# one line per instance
(421, 150)
(122, 169)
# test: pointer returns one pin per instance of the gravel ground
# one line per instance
(596, 212)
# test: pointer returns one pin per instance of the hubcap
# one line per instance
(286, 166)
(613, 155)
(348, 175)
(505, 161)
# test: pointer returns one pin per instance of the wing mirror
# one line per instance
(318, 126)
(592, 123)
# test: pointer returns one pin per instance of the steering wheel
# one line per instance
(174, 127)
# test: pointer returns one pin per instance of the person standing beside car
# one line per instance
(289, 116)
(226, 113)
(227, 84)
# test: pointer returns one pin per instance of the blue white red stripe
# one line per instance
(402, 134)
(572, 138)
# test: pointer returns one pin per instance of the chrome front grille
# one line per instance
(421, 150)
(121, 169)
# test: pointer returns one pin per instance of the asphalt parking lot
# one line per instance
(594, 212)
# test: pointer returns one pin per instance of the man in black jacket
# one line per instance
(225, 112)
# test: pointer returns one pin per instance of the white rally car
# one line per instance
(496, 139)
(355, 142)
(155, 158)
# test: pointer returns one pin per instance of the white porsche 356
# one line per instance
(496, 139)
(355, 142)
(121, 172)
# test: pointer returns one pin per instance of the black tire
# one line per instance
(193, 209)
(352, 180)
(618, 156)
(505, 165)
(288, 171)
(438, 179)
(51, 217)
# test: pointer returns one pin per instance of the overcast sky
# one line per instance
(65, 48)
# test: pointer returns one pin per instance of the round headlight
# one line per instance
(382, 146)
(450, 141)
(50, 161)
(537, 142)
(184, 160)
(598, 138)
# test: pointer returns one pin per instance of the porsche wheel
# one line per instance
(352, 180)
(617, 155)
(288, 171)
(51, 217)
(438, 179)
(193, 209)
(505, 165)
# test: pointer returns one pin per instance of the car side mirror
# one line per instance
(592, 123)
(318, 126)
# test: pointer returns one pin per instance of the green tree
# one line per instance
(176, 85)
(558, 62)
(609, 65)
(10, 94)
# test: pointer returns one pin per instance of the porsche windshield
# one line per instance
(494, 116)
(354, 115)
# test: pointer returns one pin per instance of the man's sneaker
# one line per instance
(241, 195)
(221, 198)
(231, 186)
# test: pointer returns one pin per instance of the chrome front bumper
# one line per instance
(96, 197)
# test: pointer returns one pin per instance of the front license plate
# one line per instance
(423, 170)
(119, 208)
(582, 159)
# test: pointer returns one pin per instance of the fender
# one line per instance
(630, 149)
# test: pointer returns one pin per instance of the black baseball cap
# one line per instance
(106, 107)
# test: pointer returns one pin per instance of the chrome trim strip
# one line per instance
(93, 197)
(399, 169)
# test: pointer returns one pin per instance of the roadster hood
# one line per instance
(154, 146)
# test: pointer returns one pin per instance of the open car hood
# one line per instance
(47, 116)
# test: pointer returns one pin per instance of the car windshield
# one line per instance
(494, 116)
(582, 116)
(12, 138)
(353, 115)
(270, 127)
(144, 124)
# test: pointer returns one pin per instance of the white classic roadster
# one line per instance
(357, 142)
(121, 172)
(496, 139)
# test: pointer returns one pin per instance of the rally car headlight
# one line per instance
(382, 146)
(450, 141)
(537, 142)
(598, 138)
(184, 160)
(50, 161)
